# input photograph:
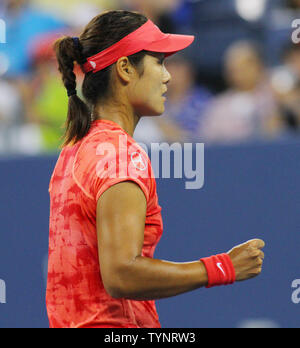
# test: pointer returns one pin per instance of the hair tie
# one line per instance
(78, 47)
(72, 92)
(76, 42)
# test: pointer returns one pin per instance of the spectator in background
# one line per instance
(158, 11)
(75, 13)
(185, 105)
(15, 135)
(291, 59)
(247, 110)
(278, 28)
(293, 4)
(10, 108)
(286, 86)
(186, 102)
(24, 23)
(46, 99)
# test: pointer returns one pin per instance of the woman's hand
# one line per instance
(247, 259)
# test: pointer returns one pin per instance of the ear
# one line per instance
(124, 69)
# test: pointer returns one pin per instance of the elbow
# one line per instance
(115, 292)
(116, 284)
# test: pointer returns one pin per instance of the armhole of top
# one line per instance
(53, 173)
(118, 181)
(75, 160)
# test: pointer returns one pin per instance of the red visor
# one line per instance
(148, 37)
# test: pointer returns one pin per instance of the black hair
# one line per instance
(102, 32)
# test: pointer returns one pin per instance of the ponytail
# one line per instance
(78, 123)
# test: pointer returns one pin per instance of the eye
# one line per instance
(161, 60)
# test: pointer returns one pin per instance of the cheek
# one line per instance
(149, 102)
(148, 93)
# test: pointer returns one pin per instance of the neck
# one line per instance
(121, 115)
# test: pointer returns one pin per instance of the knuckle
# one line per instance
(258, 270)
(259, 262)
(249, 249)
(254, 252)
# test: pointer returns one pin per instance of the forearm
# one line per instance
(151, 279)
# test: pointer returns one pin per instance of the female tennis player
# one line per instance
(105, 220)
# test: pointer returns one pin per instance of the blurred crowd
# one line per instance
(239, 82)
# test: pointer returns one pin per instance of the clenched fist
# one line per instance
(247, 259)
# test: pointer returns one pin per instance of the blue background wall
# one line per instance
(250, 191)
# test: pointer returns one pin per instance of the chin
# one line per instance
(160, 111)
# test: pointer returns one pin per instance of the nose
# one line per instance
(167, 76)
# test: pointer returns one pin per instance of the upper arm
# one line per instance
(121, 214)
